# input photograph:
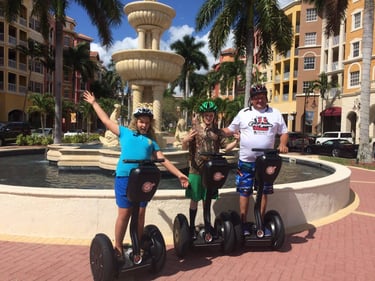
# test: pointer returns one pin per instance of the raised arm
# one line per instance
(109, 124)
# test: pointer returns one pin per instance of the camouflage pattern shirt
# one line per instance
(208, 139)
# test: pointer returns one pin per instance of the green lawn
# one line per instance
(348, 162)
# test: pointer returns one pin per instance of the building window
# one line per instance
(310, 38)
(354, 78)
(306, 87)
(34, 24)
(357, 20)
(309, 63)
(355, 48)
(67, 41)
(311, 15)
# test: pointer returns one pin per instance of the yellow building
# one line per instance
(14, 66)
(353, 72)
(18, 72)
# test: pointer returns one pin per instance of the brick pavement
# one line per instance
(343, 249)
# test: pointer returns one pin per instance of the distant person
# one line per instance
(203, 137)
(259, 124)
(137, 142)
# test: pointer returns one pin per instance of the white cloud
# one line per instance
(173, 34)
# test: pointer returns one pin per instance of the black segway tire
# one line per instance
(102, 258)
(181, 235)
(237, 226)
(273, 221)
(224, 228)
(155, 241)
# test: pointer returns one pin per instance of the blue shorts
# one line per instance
(245, 179)
(121, 186)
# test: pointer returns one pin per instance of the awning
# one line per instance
(332, 111)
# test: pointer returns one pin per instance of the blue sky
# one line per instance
(185, 15)
(125, 36)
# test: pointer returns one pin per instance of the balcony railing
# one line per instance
(12, 63)
(23, 21)
(23, 66)
(12, 40)
(22, 89)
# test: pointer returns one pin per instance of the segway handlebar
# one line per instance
(215, 154)
(144, 161)
(266, 150)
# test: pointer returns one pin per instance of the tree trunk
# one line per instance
(249, 56)
(365, 149)
(58, 81)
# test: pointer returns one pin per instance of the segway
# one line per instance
(214, 174)
(267, 168)
(143, 182)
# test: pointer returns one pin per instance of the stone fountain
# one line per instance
(147, 69)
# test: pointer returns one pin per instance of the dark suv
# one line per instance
(10, 130)
(296, 141)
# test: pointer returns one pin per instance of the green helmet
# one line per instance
(208, 106)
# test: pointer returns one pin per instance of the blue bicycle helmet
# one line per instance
(208, 106)
(143, 111)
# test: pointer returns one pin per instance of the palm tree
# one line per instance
(324, 86)
(77, 59)
(103, 14)
(244, 18)
(87, 112)
(34, 51)
(194, 59)
(42, 104)
(230, 74)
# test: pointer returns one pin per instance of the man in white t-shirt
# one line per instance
(258, 125)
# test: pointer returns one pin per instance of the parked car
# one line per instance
(335, 148)
(335, 135)
(10, 130)
(72, 133)
(42, 132)
(296, 142)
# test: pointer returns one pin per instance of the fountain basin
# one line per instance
(80, 214)
(150, 14)
(148, 67)
(75, 157)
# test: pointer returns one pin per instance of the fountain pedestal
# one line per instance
(147, 69)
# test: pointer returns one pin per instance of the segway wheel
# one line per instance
(181, 235)
(237, 226)
(154, 240)
(102, 258)
(273, 221)
(224, 228)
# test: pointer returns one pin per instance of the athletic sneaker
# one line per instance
(267, 232)
(245, 229)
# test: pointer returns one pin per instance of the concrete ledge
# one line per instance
(80, 214)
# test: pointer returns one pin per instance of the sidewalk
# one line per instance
(341, 247)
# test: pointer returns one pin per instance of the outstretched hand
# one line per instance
(184, 180)
(89, 97)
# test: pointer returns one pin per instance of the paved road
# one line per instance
(340, 248)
